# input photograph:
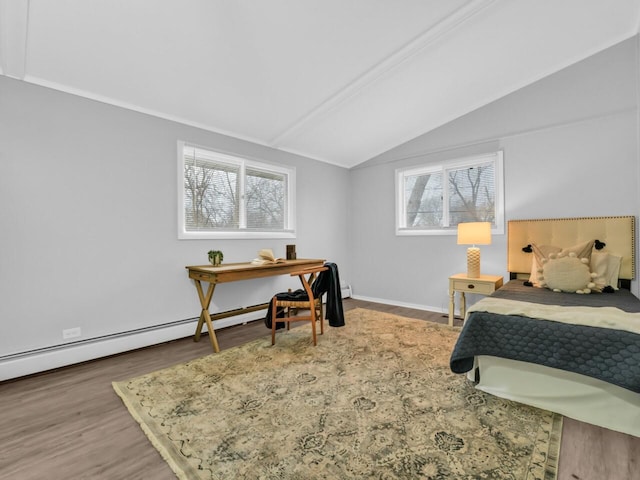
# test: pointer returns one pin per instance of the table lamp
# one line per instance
(474, 233)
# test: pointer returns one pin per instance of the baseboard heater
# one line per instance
(56, 356)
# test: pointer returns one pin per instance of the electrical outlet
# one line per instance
(68, 333)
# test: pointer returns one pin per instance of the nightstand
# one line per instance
(460, 282)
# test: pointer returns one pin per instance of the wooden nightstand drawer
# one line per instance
(461, 283)
(470, 286)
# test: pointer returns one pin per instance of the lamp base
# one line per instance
(473, 262)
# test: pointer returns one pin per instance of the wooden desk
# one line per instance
(233, 272)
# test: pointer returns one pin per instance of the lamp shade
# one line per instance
(474, 233)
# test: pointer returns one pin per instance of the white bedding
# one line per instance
(589, 316)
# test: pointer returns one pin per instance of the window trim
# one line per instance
(290, 214)
(443, 167)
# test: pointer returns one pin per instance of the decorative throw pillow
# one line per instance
(567, 273)
(540, 252)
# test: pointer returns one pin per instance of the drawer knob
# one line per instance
(471, 286)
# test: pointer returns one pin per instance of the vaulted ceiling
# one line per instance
(336, 80)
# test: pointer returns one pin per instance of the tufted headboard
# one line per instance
(617, 233)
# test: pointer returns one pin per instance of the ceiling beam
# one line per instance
(14, 19)
(404, 54)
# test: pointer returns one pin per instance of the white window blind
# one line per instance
(433, 199)
(226, 196)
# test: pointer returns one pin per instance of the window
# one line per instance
(433, 199)
(223, 196)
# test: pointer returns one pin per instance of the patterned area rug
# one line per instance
(374, 399)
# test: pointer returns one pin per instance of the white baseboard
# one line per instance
(28, 363)
(400, 304)
(19, 365)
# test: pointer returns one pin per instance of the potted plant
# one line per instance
(215, 257)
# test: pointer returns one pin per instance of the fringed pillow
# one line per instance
(566, 273)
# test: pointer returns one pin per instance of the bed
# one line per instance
(558, 338)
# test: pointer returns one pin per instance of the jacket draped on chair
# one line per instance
(327, 282)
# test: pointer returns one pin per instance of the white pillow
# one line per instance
(606, 266)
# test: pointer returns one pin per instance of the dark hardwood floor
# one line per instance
(69, 423)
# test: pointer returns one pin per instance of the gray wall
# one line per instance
(88, 220)
(88, 234)
(570, 145)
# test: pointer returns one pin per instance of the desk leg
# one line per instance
(463, 305)
(452, 306)
(205, 301)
